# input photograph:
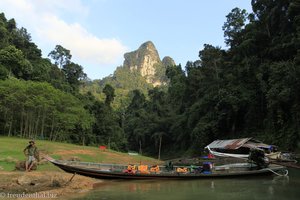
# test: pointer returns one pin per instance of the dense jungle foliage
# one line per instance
(249, 89)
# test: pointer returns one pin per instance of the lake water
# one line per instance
(254, 188)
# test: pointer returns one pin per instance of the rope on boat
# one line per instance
(285, 174)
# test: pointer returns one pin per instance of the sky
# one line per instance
(99, 32)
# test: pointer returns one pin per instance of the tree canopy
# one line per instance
(249, 89)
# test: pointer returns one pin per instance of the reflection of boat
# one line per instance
(114, 171)
(240, 148)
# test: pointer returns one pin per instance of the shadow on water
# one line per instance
(264, 188)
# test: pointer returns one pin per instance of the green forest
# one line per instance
(251, 88)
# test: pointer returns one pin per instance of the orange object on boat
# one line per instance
(154, 168)
(131, 169)
(182, 170)
(143, 169)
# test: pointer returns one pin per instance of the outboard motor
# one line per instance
(257, 156)
(207, 167)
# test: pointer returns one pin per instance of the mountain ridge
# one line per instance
(142, 70)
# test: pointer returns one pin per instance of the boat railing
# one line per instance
(111, 167)
(94, 165)
(163, 168)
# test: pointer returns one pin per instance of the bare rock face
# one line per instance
(168, 61)
(147, 61)
(143, 58)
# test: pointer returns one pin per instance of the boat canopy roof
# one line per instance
(237, 143)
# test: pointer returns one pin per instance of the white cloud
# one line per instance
(44, 20)
(81, 43)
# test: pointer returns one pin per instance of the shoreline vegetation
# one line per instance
(48, 179)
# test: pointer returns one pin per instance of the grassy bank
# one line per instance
(11, 151)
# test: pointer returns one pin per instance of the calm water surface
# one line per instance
(264, 188)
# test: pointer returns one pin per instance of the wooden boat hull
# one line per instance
(101, 174)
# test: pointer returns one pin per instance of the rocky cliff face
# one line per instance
(147, 61)
(168, 61)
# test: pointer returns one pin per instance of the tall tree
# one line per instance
(234, 25)
(109, 92)
(60, 55)
(74, 74)
(158, 138)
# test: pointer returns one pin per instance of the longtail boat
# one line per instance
(116, 171)
(240, 148)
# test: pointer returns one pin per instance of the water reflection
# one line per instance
(212, 186)
(266, 188)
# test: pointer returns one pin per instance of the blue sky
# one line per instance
(99, 32)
